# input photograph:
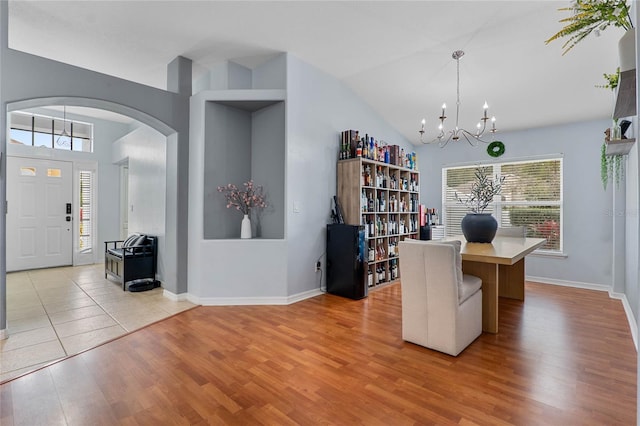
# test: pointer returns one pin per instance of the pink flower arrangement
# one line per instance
(244, 200)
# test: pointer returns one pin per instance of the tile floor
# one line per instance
(53, 313)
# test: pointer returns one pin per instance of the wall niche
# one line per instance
(244, 140)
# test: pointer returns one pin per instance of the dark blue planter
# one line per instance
(479, 227)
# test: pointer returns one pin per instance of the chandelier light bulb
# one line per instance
(485, 106)
(422, 128)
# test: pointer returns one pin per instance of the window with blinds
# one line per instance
(51, 132)
(85, 221)
(531, 197)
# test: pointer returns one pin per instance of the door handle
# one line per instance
(68, 218)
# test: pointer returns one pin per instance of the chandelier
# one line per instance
(64, 139)
(457, 132)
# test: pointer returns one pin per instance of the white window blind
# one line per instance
(531, 197)
(85, 221)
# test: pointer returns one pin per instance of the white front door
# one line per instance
(39, 218)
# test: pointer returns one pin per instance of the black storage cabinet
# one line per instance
(346, 265)
(127, 264)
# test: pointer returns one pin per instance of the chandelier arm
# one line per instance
(466, 136)
(484, 127)
(477, 138)
(441, 144)
(437, 139)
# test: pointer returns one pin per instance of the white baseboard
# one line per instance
(633, 326)
(566, 283)
(304, 295)
(4, 333)
(630, 318)
(238, 301)
(175, 297)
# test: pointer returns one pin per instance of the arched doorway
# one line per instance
(161, 180)
(157, 125)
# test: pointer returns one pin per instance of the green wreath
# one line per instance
(495, 149)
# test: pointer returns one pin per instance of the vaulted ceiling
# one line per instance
(396, 55)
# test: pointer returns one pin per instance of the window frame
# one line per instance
(50, 131)
(497, 205)
(85, 257)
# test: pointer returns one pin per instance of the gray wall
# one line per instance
(243, 141)
(632, 253)
(271, 74)
(268, 168)
(630, 216)
(231, 270)
(227, 160)
(587, 207)
(4, 45)
(26, 79)
(146, 152)
(319, 108)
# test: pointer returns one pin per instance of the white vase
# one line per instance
(245, 229)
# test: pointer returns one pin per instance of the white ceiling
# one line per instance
(396, 55)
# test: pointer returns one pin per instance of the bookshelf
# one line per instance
(385, 199)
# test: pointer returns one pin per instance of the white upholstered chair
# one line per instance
(441, 306)
(512, 231)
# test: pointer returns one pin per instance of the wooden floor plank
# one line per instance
(565, 356)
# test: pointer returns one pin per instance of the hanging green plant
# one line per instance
(611, 167)
(612, 80)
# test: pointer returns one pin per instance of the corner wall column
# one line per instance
(4, 47)
(179, 81)
(619, 212)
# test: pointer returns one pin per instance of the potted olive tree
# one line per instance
(478, 226)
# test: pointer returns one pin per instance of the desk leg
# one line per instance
(488, 273)
(511, 280)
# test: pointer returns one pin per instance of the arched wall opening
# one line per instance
(151, 125)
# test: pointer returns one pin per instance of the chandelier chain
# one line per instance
(457, 85)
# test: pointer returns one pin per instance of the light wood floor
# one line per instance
(565, 357)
